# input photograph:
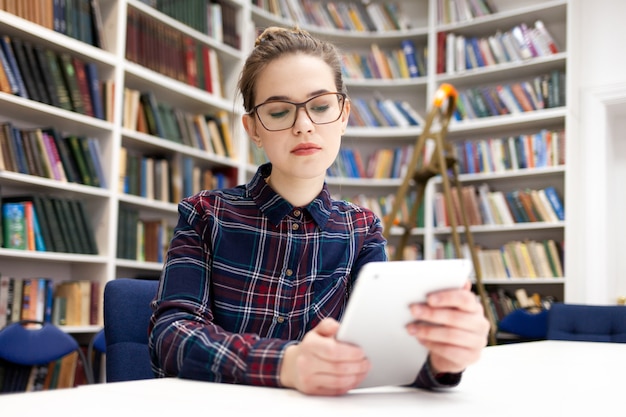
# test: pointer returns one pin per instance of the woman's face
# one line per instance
(305, 150)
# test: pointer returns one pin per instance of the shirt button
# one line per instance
(280, 319)
(289, 272)
(295, 226)
(296, 213)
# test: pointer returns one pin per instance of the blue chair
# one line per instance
(29, 343)
(526, 324)
(126, 317)
(596, 323)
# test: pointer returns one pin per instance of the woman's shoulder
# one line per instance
(214, 197)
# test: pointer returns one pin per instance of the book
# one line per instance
(65, 225)
(57, 82)
(554, 257)
(216, 136)
(408, 48)
(6, 148)
(42, 150)
(47, 75)
(555, 201)
(65, 155)
(71, 82)
(96, 157)
(5, 281)
(24, 68)
(39, 221)
(37, 74)
(223, 121)
(7, 79)
(83, 86)
(153, 116)
(56, 162)
(49, 216)
(70, 291)
(78, 155)
(97, 29)
(14, 226)
(7, 48)
(95, 91)
(24, 145)
(90, 160)
(545, 36)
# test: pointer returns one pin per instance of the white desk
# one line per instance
(546, 378)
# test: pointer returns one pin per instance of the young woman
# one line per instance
(257, 276)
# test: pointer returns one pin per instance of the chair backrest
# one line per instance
(526, 324)
(596, 323)
(126, 317)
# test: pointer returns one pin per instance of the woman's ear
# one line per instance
(249, 124)
(345, 116)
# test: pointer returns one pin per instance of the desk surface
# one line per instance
(535, 378)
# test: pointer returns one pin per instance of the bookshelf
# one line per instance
(429, 24)
(129, 65)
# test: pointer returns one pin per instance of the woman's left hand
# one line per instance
(452, 325)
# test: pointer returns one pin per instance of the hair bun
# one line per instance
(272, 32)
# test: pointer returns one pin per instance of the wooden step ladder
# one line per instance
(442, 162)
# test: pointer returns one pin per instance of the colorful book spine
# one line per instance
(14, 226)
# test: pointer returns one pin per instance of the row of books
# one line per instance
(407, 61)
(208, 132)
(66, 372)
(382, 163)
(44, 152)
(382, 205)
(217, 19)
(545, 148)
(355, 15)
(517, 44)
(542, 149)
(168, 179)
(168, 51)
(59, 79)
(145, 240)
(454, 11)
(541, 92)
(503, 302)
(44, 223)
(79, 19)
(412, 251)
(62, 303)
(485, 207)
(514, 259)
(383, 112)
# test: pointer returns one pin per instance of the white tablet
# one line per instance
(378, 312)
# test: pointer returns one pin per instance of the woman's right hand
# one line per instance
(321, 365)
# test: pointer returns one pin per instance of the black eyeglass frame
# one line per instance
(302, 104)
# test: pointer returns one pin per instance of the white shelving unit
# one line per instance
(103, 204)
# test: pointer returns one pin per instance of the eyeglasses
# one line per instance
(280, 114)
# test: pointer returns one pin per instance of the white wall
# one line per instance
(596, 175)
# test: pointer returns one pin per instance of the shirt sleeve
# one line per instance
(427, 380)
(184, 341)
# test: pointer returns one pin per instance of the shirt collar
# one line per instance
(276, 208)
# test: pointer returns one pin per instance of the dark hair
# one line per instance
(276, 42)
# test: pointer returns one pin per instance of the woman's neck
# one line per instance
(298, 192)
